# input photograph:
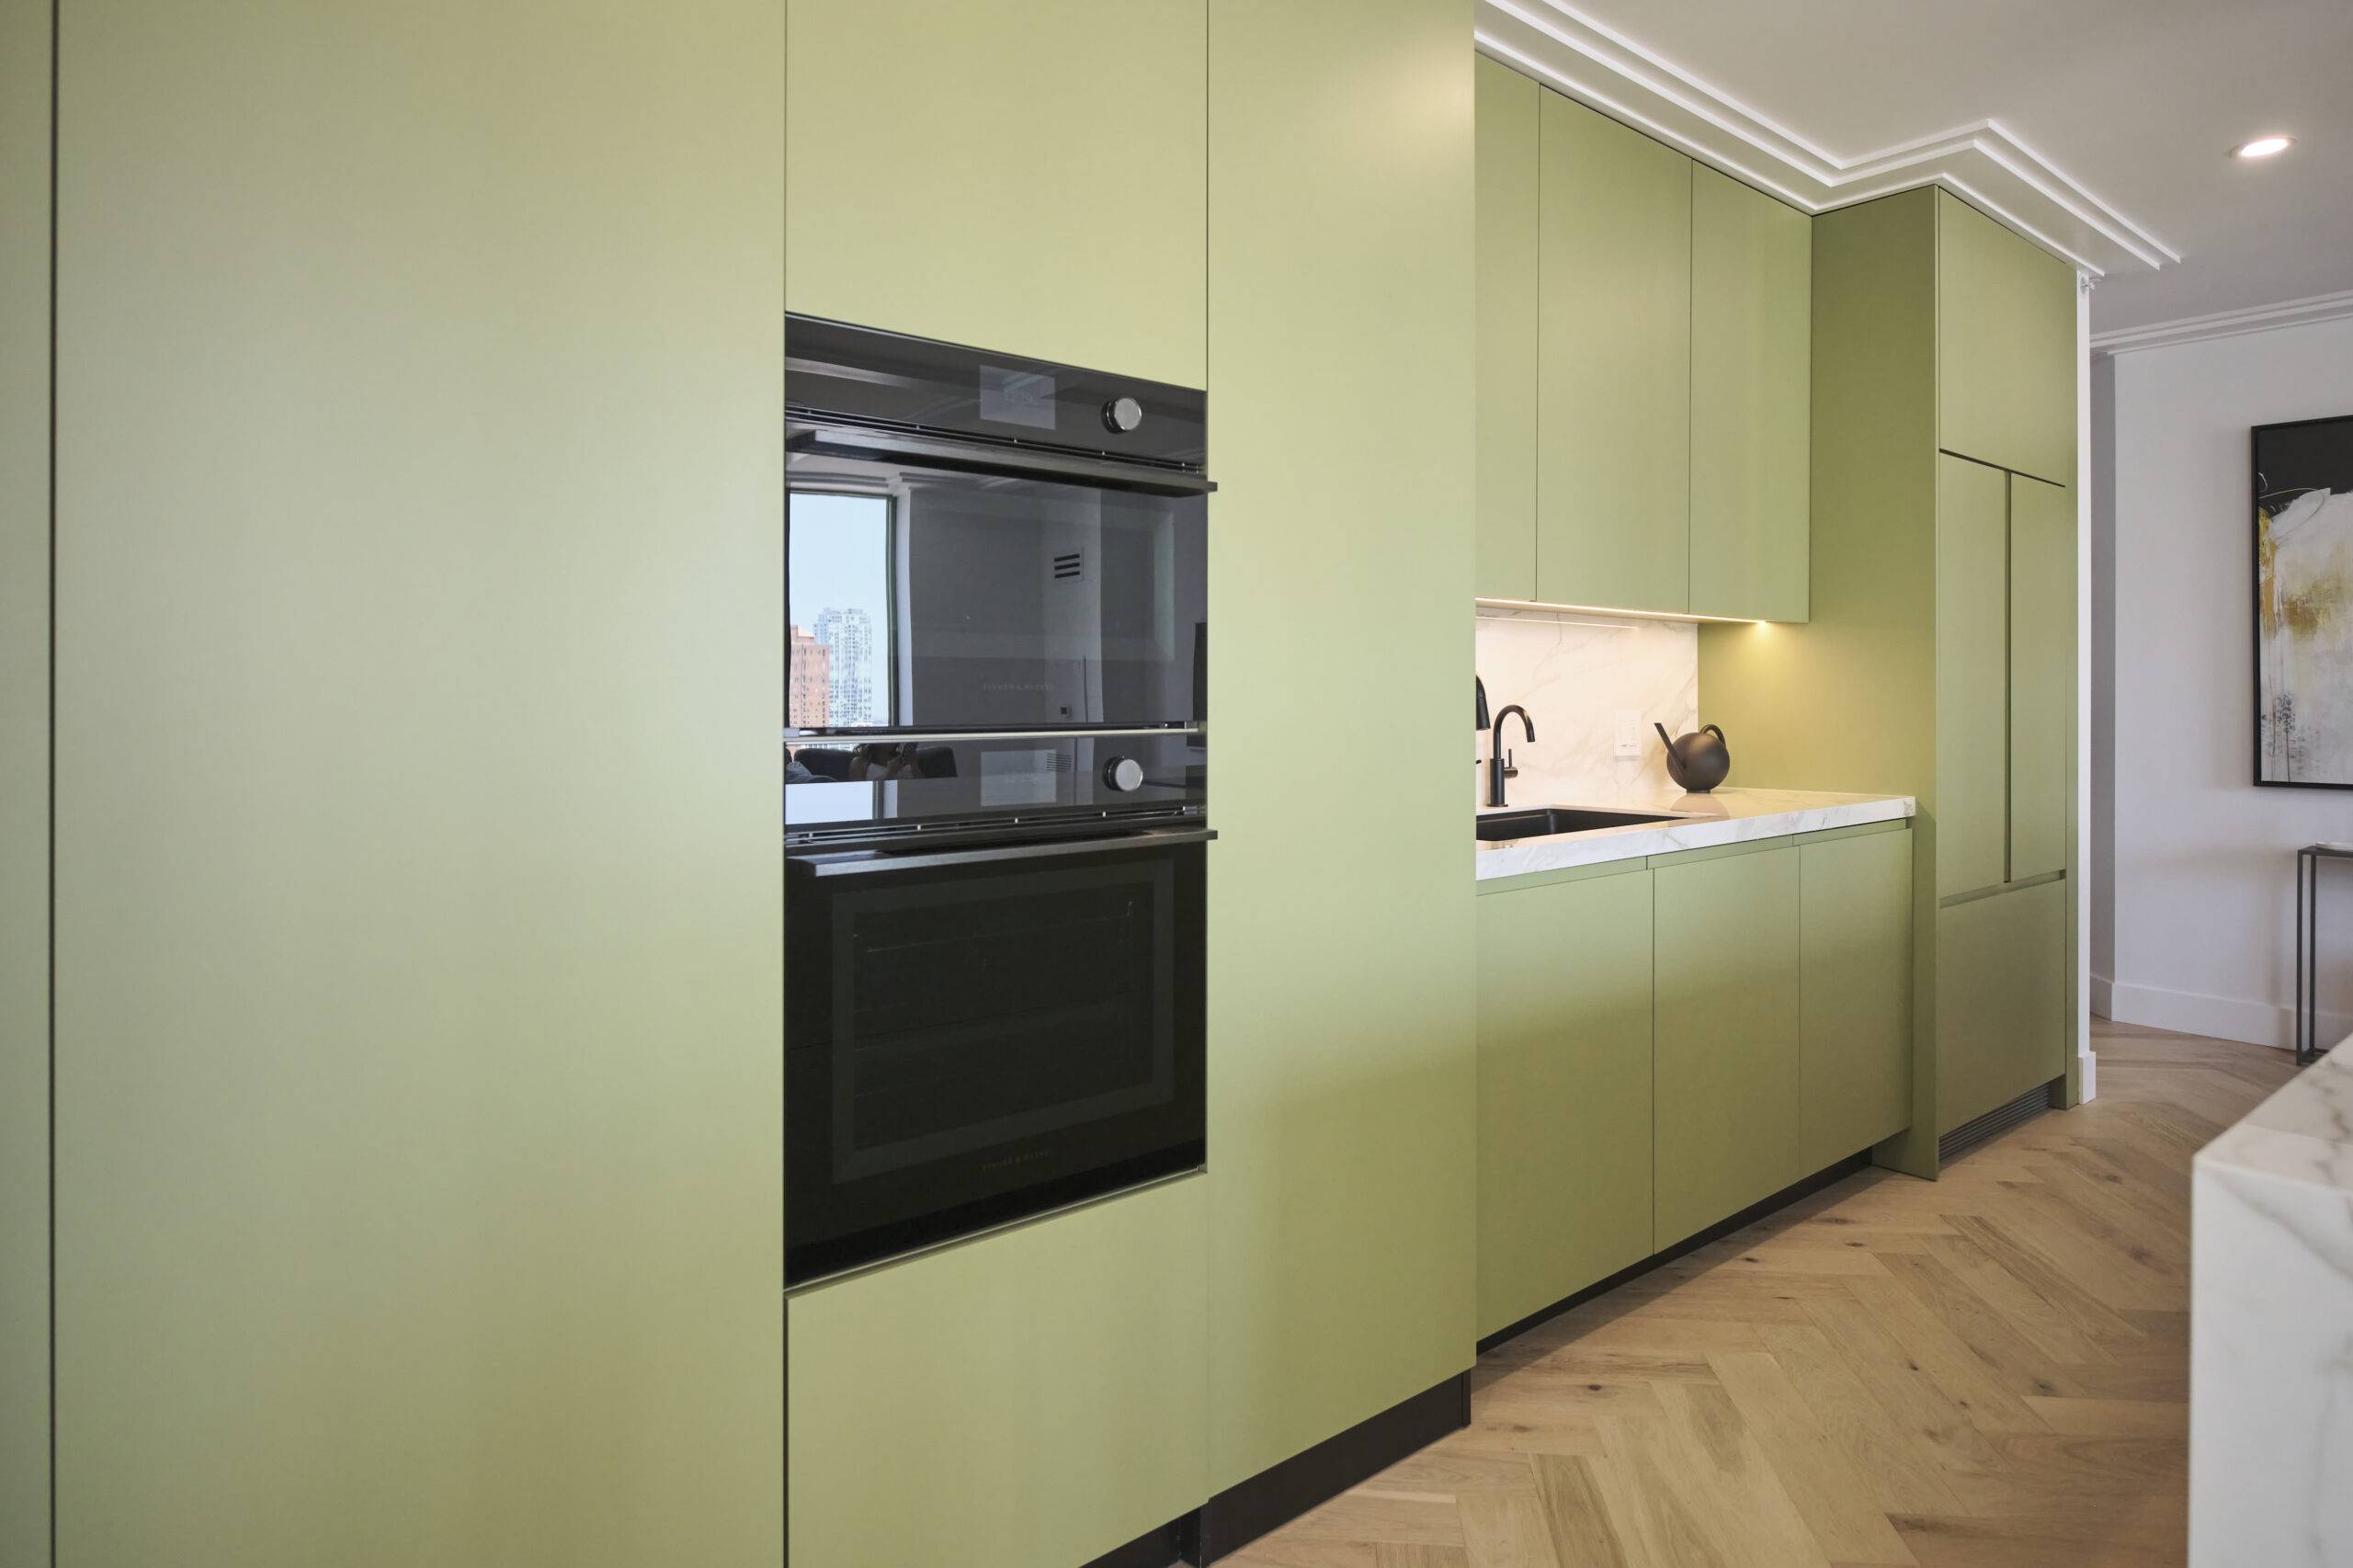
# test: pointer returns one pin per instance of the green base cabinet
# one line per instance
(1035, 1396)
(1727, 1048)
(1856, 1013)
(1564, 1089)
(2001, 999)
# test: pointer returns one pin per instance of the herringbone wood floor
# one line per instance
(1987, 1369)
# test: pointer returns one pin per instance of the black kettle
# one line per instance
(1699, 761)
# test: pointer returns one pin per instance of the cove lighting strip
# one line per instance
(1629, 613)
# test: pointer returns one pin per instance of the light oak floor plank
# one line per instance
(1989, 1371)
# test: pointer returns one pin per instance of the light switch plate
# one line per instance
(1630, 734)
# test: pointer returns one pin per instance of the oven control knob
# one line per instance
(1123, 773)
(1122, 415)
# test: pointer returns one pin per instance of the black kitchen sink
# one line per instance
(1537, 822)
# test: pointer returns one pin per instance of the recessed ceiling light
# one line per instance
(2262, 147)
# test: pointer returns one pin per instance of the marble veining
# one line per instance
(2271, 1329)
(1575, 674)
(1726, 816)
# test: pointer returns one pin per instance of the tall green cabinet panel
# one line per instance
(1034, 1396)
(2005, 347)
(1973, 693)
(25, 214)
(2042, 673)
(1855, 980)
(418, 890)
(1341, 1019)
(1727, 1050)
(1028, 176)
(1614, 367)
(1564, 1089)
(2001, 998)
(1507, 313)
(1752, 264)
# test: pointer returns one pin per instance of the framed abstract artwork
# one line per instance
(2303, 603)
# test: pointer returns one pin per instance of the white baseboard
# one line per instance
(2222, 1018)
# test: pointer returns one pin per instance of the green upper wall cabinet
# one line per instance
(2042, 675)
(1856, 1006)
(2005, 347)
(1507, 312)
(1972, 694)
(1564, 1089)
(1614, 365)
(1034, 1396)
(1727, 1048)
(1028, 175)
(418, 899)
(1643, 365)
(1751, 314)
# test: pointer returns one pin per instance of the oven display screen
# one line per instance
(1017, 397)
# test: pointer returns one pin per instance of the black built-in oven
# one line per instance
(995, 810)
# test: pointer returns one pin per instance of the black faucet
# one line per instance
(1496, 750)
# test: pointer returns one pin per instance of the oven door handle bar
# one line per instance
(978, 457)
(867, 863)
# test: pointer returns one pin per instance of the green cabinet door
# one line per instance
(1855, 973)
(1028, 176)
(418, 1102)
(1614, 365)
(1751, 314)
(2005, 347)
(1972, 676)
(1725, 927)
(1507, 406)
(2001, 999)
(2043, 672)
(1564, 1089)
(1035, 1396)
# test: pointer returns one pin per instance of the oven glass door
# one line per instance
(923, 599)
(972, 1042)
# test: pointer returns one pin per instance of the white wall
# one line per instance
(2202, 929)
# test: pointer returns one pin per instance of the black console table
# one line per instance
(2308, 859)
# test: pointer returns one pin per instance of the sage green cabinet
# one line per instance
(1038, 1395)
(1727, 1052)
(1507, 313)
(1564, 1089)
(2001, 998)
(1028, 175)
(1855, 1017)
(2042, 675)
(418, 1094)
(2006, 675)
(1752, 266)
(2005, 347)
(1614, 365)
(1972, 694)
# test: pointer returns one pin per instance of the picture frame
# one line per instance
(2301, 526)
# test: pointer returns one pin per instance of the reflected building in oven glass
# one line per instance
(809, 690)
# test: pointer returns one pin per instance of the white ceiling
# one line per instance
(2103, 128)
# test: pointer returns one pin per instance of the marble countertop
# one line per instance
(2271, 1329)
(1726, 816)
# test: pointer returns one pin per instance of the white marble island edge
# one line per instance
(1697, 822)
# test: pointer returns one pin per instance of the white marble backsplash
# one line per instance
(1575, 673)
